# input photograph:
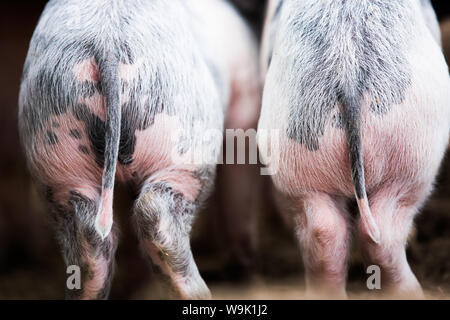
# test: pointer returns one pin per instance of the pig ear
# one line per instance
(369, 222)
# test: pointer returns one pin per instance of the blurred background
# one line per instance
(264, 265)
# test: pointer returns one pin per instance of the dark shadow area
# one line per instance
(30, 263)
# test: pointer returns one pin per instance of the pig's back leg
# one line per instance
(62, 156)
(322, 231)
(82, 246)
(163, 215)
(393, 208)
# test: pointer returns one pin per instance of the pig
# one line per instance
(359, 93)
(121, 91)
(431, 20)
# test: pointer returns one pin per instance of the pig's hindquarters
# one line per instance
(411, 141)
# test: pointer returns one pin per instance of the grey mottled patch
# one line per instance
(162, 196)
(355, 46)
(75, 134)
(74, 223)
(84, 149)
(159, 205)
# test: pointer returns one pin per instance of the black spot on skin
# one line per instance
(51, 138)
(88, 89)
(127, 138)
(75, 134)
(99, 87)
(84, 149)
(80, 112)
(55, 124)
(95, 130)
(96, 134)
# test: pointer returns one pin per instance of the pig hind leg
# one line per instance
(322, 231)
(83, 247)
(393, 211)
(163, 220)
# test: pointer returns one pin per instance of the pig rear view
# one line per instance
(359, 92)
(122, 91)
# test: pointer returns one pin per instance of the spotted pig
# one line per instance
(359, 92)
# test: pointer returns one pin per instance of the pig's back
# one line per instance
(399, 77)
